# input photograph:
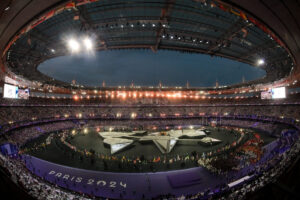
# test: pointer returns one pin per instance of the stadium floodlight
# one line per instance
(73, 45)
(88, 43)
(260, 62)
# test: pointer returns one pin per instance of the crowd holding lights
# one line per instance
(134, 115)
(167, 95)
(152, 94)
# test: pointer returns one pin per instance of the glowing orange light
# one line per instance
(75, 98)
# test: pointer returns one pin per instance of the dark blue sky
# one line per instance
(145, 68)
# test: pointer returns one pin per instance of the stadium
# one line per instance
(61, 138)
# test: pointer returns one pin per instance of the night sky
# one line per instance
(145, 68)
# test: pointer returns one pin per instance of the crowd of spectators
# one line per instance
(245, 155)
(268, 171)
(45, 117)
(262, 174)
(13, 115)
(33, 185)
(23, 135)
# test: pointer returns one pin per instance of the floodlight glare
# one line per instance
(88, 43)
(73, 45)
(260, 62)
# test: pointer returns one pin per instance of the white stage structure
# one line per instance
(165, 140)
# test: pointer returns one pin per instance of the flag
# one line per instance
(158, 159)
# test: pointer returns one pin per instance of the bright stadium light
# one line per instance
(260, 62)
(73, 45)
(85, 131)
(88, 43)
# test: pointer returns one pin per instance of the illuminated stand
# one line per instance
(115, 140)
(210, 141)
(164, 141)
(165, 146)
(117, 144)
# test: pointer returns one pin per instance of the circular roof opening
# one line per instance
(145, 68)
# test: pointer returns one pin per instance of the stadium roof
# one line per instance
(34, 31)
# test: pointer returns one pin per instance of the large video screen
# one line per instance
(23, 94)
(10, 91)
(278, 93)
(274, 93)
(266, 94)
